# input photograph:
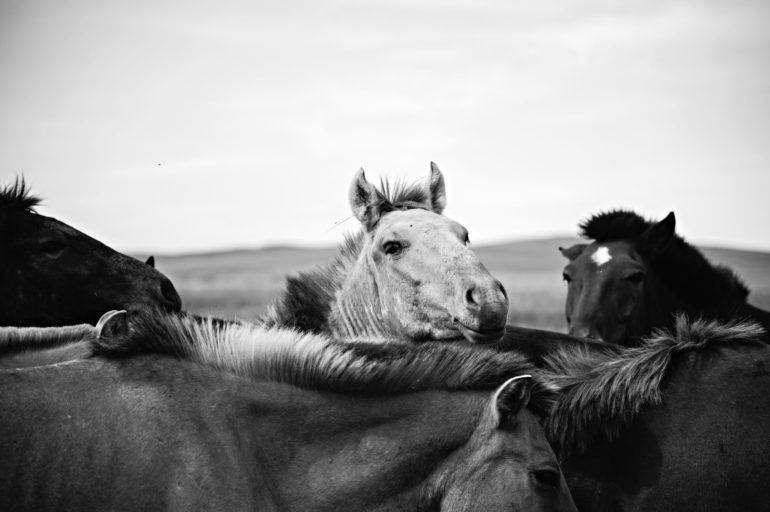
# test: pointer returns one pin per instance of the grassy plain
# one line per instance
(240, 284)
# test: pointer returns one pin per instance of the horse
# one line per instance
(52, 274)
(179, 414)
(636, 275)
(407, 275)
(680, 422)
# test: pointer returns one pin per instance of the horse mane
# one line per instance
(313, 361)
(603, 391)
(681, 266)
(305, 302)
(19, 339)
(17, 196)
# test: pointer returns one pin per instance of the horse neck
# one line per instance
(660, 306)
(393, 453)
(356, 312)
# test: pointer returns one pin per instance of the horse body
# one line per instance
(651, 431)
(408, 275)
(51, 274)
(149, 432)
(637, 275)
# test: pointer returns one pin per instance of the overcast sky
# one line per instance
(187, 125)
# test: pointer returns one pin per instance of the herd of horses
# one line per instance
(384, 380)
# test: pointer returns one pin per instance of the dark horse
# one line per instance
(678, 423)
(637, 275)
(408, 275)
(52, 274)
(183, 414)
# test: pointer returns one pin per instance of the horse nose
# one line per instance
(585, 332)
(490, 301)
(172, 302)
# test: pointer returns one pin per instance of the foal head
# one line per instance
(613, 294)
(508, 464)
(415, 275)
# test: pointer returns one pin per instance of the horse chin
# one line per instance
(480, 337)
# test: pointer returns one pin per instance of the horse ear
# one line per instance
(573, 252)
(657, 237)
(151, 261)
(363, 200)
(112, 324)
(437, 189)
(511, 398)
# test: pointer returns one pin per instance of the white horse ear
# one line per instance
(363, 200)
(511, 398)
(437, 189)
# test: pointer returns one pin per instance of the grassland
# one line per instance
(240, 284)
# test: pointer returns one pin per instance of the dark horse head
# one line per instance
(637, 274)
(52, 274)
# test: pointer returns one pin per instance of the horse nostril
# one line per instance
(173, 302)
(547, 478)
(502, 290)
(469, 296)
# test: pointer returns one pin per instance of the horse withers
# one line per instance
(637, 275)
(408, 275)
(52, 274)
(189, 415)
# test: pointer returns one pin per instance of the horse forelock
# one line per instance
(17, 196)
(602, 392)
(400, 195)
(681, 266)
(309, 360)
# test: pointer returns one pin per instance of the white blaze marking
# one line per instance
(601, 256)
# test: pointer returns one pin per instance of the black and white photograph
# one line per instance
(370, 255)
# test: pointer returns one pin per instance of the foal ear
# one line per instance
(363, 199)
(657, 237)
(573, 252)
(437, 189)
(511, 398)
(151, 261)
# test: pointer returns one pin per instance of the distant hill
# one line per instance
(241, 283)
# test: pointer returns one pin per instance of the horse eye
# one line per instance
(566, 277)
(52, 248)
(392, 248)
(635, 278)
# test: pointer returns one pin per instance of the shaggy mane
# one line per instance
(20, 339)
(305, 302)
(17, 196)
(681, 266)
(602, 392)
(308, 360)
